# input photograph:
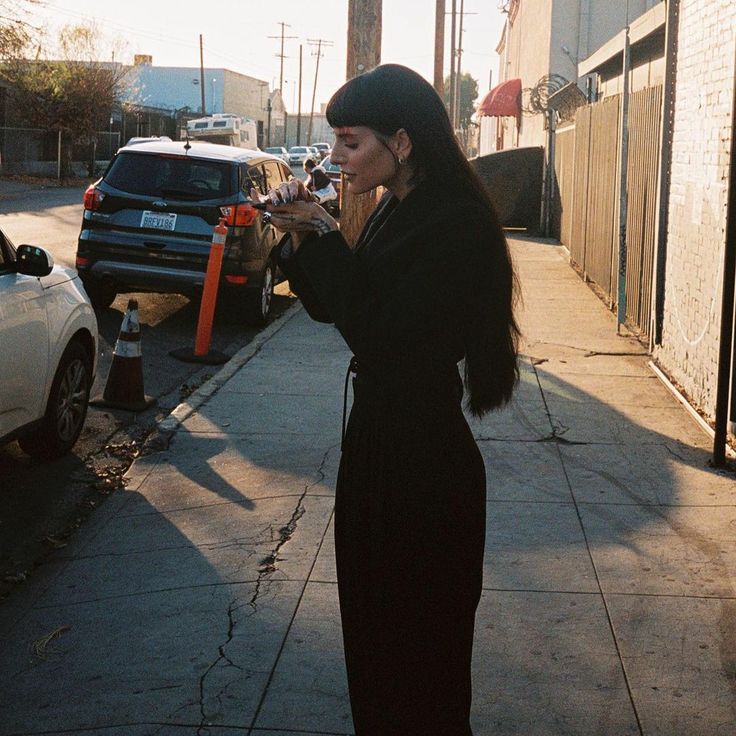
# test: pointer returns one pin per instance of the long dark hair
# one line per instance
(391, 97)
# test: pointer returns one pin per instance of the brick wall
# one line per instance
(697, 207)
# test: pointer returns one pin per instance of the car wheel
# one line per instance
(66, 409)
(101, 293)
(260, 302)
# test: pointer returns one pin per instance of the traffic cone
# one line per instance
(124, 387)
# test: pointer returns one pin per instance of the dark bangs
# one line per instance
(372, 99)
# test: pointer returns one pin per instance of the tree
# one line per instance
(468, 95)
(73, 94)
(16, 31)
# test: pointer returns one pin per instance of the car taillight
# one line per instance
(93, 198)
(240, 215)
(82, 261)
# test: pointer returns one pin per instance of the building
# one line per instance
(541, 46)
(644, 183)
(181, 91)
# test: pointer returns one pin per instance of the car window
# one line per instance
(165, 175)
(273, 174)
(286, 172)
(253, 177)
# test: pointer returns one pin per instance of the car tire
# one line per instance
(66, 409)
(101, 293)
(259, 304)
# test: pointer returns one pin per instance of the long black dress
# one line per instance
(410, 500)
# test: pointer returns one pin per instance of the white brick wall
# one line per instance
(697, 207)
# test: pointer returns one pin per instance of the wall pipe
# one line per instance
(725, 345)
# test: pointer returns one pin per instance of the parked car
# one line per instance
(48, 351)
(333, 171)
(146, 139)
(299, 154)
(323, 148)
(278, 151)
(148, 224)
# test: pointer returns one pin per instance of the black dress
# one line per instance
(410, 500)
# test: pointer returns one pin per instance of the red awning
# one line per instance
(503, 100)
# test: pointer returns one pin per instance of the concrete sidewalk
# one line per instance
(202, 599)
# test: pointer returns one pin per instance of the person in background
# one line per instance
(318, 183)
(428, 286)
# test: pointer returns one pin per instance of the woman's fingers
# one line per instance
(302, 216)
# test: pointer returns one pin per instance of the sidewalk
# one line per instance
(202, 599)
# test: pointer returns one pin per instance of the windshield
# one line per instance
(298, 149)
(158, 175)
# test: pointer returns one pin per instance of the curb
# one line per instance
(203, 393)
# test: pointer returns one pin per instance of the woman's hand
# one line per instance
(293, 210)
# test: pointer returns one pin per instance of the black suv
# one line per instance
(148, 224)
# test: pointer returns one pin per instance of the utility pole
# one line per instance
(281, 55)
(320, 43)
(458, 65)
(364, 52)
(201, 73)
(299, 108)
(453, 78)
(439, 48)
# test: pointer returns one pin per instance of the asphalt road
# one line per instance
(41, 504)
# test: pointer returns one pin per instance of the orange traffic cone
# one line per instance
(124, 387)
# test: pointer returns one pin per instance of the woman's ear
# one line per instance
(401, 144)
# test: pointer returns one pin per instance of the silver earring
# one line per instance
(401, 160)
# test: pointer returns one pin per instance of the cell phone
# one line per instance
(260, 205)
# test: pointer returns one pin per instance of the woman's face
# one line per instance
(364, 160)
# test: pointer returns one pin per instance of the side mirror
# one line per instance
(34, 261)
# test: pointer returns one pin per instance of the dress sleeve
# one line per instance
(300, 284)
(416, 307)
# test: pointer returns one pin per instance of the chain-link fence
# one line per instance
(37, 152)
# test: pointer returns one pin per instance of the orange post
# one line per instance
(209, 292)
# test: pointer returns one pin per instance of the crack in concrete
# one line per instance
(269, 565)
(222, 657)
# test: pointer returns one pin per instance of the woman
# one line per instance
(428, 283)
(318, 183)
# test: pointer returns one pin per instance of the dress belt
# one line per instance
(447, 392)
(352, 369)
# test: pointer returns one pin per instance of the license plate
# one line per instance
(158, 220)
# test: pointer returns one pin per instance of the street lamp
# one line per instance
(214, 107)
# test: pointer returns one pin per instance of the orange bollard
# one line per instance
(209, 292)
(202, 352)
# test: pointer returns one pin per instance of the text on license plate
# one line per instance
(158, 220)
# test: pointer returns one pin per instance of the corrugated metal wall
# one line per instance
(565, 178)
(581, 171)
(644, 134)
(591, 163)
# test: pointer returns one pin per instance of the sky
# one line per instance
(237, 35)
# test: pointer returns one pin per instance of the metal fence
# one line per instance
(587, 167)
(36, 152)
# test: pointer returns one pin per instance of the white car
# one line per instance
(299, 154)
(279, 152)
(323, 148)
(48, 351)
